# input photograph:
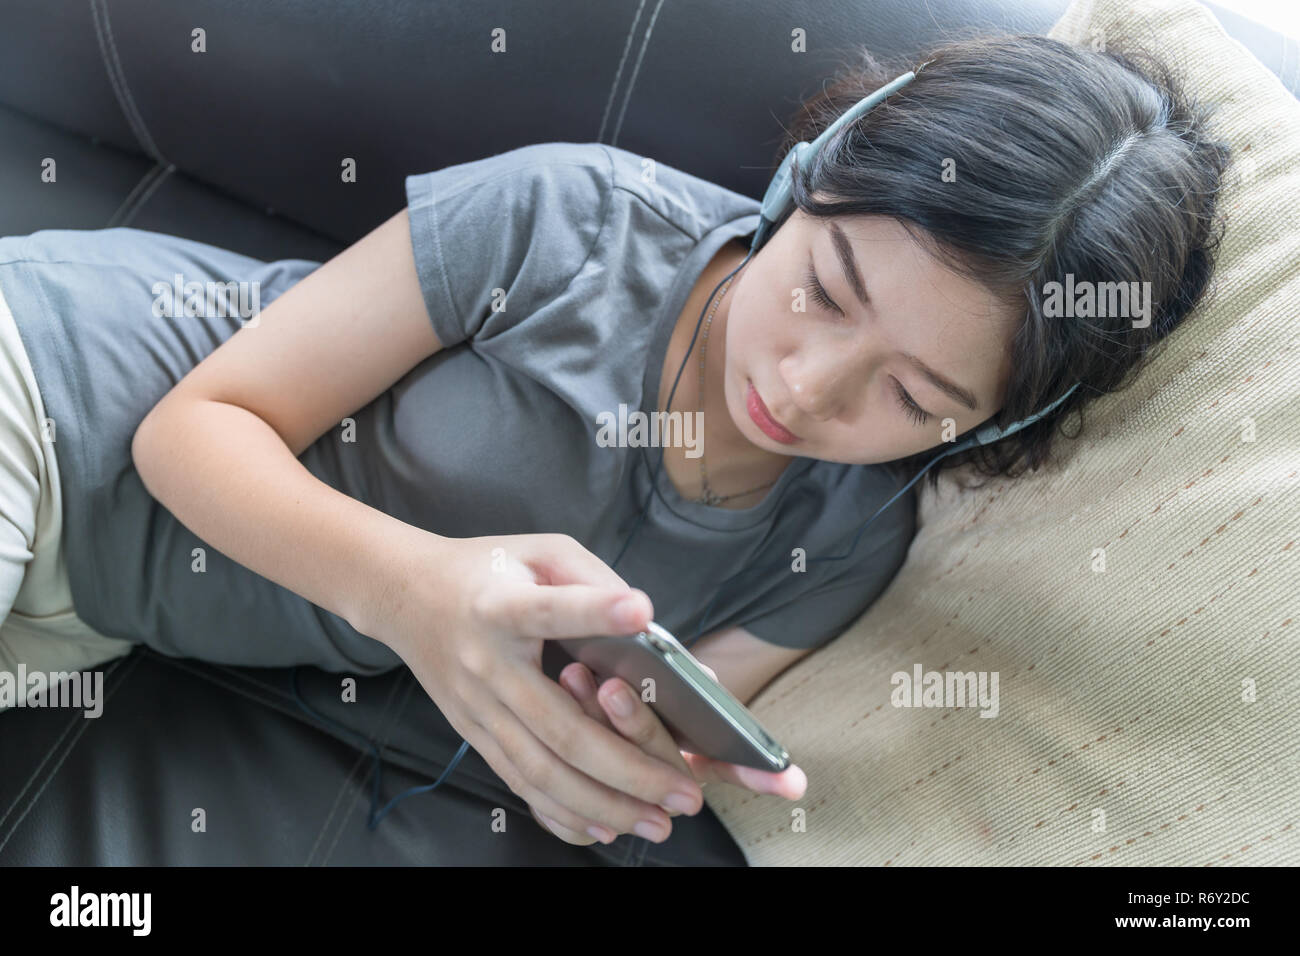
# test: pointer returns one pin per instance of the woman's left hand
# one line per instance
(644, 728)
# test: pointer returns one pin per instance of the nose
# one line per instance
(820, 385)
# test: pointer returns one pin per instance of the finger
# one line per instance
(790, 783)
(579, 831)
(635, 720)
(538, 801)
(569, 787)
(563, 832)
(569, 610)
(578, 681)
(564, 560)
(632, 778)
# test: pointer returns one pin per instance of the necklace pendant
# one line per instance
(710, 498)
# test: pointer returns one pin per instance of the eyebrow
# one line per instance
(844, 252)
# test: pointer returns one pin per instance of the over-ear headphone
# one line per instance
(777, 202)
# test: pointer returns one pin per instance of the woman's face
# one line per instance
(831, 374)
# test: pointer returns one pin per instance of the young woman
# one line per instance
(397, 456)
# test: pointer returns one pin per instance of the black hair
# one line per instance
(1068, 160)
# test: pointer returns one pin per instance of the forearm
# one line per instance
(229, 477)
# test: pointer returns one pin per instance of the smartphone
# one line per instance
(702, 715)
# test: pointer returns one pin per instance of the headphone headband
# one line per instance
(991, 433)
(779, 197)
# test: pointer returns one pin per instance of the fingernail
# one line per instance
(580, 682)
(680, 802)
(650, 830)
(600, 833)
(627, 611)
(621, 702)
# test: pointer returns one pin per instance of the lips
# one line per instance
(764, 420)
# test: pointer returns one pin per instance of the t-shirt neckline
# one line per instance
(728, 519)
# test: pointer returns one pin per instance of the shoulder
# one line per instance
(522, 222)
(540, 207)
(588, 180)
(581, 174)
(688, 202)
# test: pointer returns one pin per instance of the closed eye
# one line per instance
(915, 412)
(819, 293)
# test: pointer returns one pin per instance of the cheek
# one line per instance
(760, 321)
(746, 329)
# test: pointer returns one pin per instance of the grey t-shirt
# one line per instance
(495, 434)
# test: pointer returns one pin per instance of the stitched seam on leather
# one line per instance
(265, 701)
(130, 664)
(627, 45)
(117, 77)
(338, 799)
(132, 204)
(269, 689)
(631, 851)
(396, 718)
(243, 692)
(642, 847)
(115, 666)
(411, 684)
(608, 851)
(494, 782)
(150, 173)
(343, 787)
(207, 674)
(645, 43)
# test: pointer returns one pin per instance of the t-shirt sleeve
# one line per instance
(823, 613)
(514, 227)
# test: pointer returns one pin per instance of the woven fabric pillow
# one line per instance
(1148, 711)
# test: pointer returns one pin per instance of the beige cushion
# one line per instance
(1128, 732)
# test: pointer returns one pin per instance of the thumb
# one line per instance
(620, 612)
(630, 611)
(569, 611)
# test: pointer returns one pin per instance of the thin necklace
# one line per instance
(709, 497)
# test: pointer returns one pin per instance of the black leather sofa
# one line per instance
(240, 146)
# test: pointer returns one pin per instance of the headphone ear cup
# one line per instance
(777, 199)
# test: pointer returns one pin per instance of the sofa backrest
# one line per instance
(284, 93)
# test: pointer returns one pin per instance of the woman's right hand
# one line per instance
(469, 619)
